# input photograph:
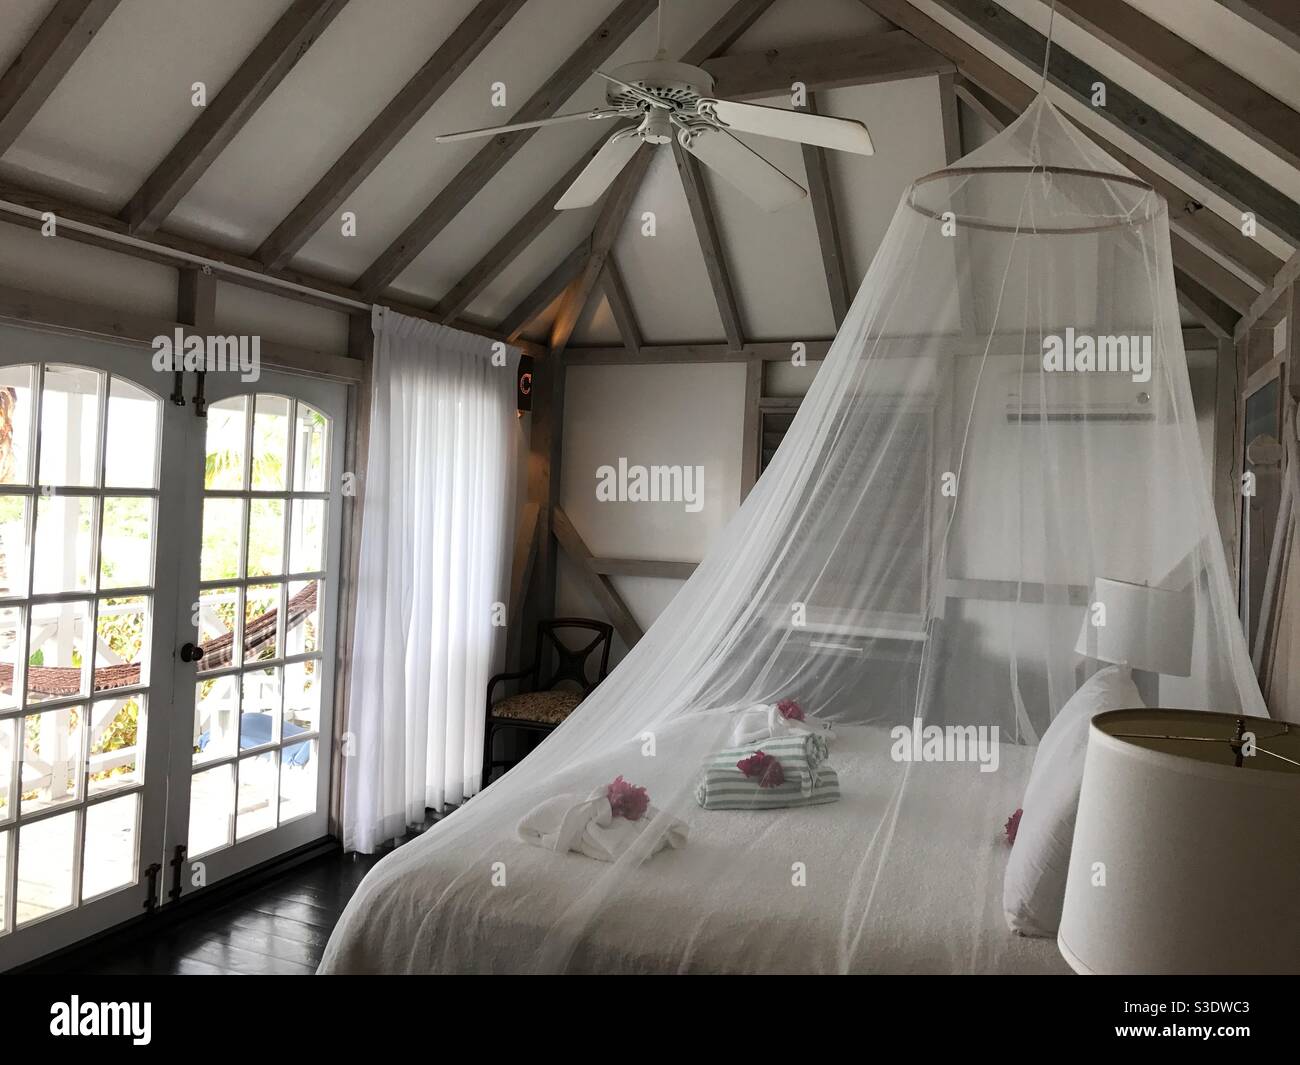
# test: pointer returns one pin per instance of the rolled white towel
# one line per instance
(763, 721)
(588, 826)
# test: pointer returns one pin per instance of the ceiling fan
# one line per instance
(670, 99)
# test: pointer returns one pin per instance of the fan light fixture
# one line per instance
(675, 99)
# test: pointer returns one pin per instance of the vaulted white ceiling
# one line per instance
(126, 101)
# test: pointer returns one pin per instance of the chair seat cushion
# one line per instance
(545, 708)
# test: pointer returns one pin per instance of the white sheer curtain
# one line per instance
(435, 559)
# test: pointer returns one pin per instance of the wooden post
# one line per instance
(751, 443)
(544, 452)
(352, 483)
(1226, 477)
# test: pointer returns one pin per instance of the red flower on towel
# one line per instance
(1013, 826)
(790, 710)
(762, 765)
(627, 800)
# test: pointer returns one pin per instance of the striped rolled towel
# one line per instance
(723, 790)
(799, 754)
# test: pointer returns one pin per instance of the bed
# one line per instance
(932, 905)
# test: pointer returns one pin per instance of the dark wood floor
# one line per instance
(279, 927)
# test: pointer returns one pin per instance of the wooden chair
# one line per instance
(540, 707)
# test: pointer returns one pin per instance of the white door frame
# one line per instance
(64, 927)
(199, 870)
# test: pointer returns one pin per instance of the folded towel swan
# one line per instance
(588, 826)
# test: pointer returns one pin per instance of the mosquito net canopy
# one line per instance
(994, 488)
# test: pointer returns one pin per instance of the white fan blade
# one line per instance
(842, 134)
(746, 169)
(600, 173)
(490, 131)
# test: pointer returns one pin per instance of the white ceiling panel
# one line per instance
(793, 22)
(774, 258)
(531, 266)
(22, 19)
(907, 129)
(126, 100)
(665, 274)
(1233, 41)
(524, 54)
(345, 79)
(597, 325)
(541, 161)
(1087, 116)
(1156, 93)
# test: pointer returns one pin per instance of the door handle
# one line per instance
(191, 653)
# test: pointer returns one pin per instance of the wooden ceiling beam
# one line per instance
(1217, 278)
(1268, 300)
(1277, 18)
(1208, 309)
(1268, 121)
(38, 309)
(1211, 292)
(612, 212)
(545, 292)
(1175, 145)
(834, 267)
(534, 222)
(814, 349)
(620, 305)
(382, 135)
(720, 36)
(37, 70)
(706, 230)
(248, 88)
(991, 110)
(618, 612)
(599, 45)
(1185, 212)
(886, 55)
(726, 31)
(25, 207)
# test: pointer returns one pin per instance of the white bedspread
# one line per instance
(932, 906)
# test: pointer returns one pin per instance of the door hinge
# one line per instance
(151, 890)
(200, 400)
(178, 389)
(178, 866)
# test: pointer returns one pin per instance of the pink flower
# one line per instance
(627, 800)
(1013, 826)
(790, 710)
(762, 765)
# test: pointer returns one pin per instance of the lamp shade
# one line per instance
(1145, 628)
(1182, 861)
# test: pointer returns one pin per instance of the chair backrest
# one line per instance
(571, 664)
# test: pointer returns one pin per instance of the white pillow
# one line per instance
(1033, 891)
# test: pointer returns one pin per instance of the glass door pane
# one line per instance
(265, 573)
(83, 722)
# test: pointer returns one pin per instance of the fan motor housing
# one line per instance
(679, 84)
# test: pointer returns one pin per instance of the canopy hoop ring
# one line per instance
(1068, 171)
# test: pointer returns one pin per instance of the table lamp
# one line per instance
(1147, 629)
(1186, 853)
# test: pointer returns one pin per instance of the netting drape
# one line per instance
(923, 551)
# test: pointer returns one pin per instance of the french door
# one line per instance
(133, 534)
(255, 671)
